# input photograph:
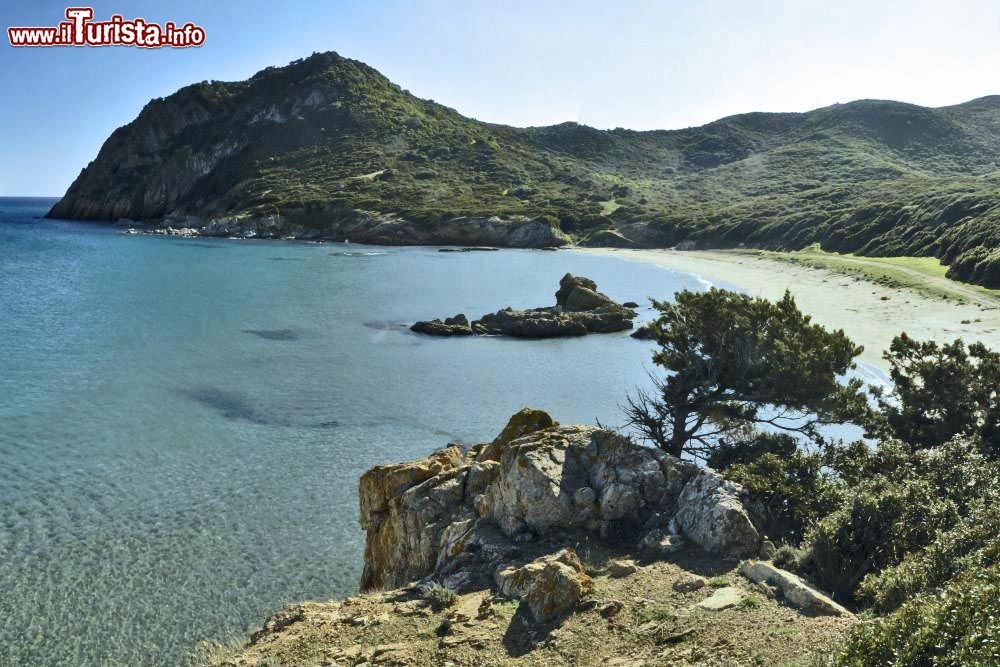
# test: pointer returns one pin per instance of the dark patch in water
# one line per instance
(207, 246)
(273, 334)
(236, 406)
(285, 259)
(230, 404)
(387, 325)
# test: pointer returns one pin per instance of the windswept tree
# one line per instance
(736, 364)
(939, 392)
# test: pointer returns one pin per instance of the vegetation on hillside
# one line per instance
(904, 526)
(327, 136)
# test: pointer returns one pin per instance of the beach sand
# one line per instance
(870, 313)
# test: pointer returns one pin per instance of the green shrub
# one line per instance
(959, 626)
(789, 490)
(439, 596)
(873, 530)
(908, 501)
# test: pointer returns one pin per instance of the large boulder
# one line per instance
(711, 510)
(550, 585)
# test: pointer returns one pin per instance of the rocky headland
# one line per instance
(580, 309)
(554, 544)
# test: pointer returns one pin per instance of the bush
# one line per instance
(960, 626)
(909, 500)
(789, 490)
(439, 596)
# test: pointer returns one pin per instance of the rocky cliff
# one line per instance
(459, 517)
(553, 545)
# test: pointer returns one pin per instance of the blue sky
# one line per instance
(637, 64)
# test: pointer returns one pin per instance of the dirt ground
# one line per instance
(637, 619)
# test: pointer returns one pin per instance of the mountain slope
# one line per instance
(328, 140)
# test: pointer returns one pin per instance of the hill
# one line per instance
(328, 146)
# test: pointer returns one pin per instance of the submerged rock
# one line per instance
(643, 333)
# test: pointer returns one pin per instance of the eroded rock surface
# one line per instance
(460, 516)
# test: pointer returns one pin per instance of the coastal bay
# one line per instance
(856, 294)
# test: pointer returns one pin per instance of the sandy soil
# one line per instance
(870, 313)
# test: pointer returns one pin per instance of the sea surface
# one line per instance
(183, 421)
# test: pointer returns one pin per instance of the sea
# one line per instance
(183, 421)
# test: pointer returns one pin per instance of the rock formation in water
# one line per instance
(580, 309)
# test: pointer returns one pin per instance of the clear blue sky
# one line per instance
(637, 64)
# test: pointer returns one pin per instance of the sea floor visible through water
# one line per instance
(183, 421)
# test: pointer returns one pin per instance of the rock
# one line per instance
(457, 516)
(659, 543)
(584, 499)
(622, 568)
(405, 510)
(551, 585)
(795, 591)
(452, 326)
(688, 583)
(630, 304)
(522, 422)
(278, 622)
(711, 512)
(642, 333)
(767, 550)
(580, 309)
(568, 283)
(722, 598)
(611, 609)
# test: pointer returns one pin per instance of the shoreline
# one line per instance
(869, 312)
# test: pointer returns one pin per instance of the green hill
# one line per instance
(328, 139)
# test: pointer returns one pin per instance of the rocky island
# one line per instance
(580, 309)
(554, 544)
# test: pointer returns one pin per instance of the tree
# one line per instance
(735, 364)
(939, 392)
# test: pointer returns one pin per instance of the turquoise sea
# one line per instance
(183, 421)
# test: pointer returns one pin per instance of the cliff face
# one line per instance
(459, 517)
(553, 545)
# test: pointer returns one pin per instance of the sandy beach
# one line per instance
(870, 313)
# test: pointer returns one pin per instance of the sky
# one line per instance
(640, 64)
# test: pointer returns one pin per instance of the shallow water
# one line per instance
(183, 422)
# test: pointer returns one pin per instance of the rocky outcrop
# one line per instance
(580, 309)
(459, 517)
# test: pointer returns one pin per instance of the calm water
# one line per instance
(183, 422)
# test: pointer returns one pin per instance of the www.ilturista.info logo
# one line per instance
(80, 30)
